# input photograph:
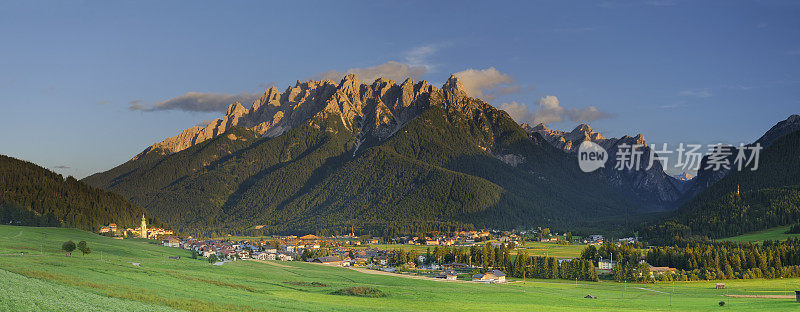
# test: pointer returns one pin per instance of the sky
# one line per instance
(87, 85)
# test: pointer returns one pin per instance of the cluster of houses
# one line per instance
(290, 248)
(608, 265)
(341, 252)
(119, 232)
(462, 238)
(229, 250)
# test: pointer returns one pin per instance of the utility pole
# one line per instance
(673, 292)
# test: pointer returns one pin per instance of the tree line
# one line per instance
(729, 260)
(487, 257)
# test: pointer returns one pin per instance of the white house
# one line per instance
(606, 264)
(493, 276)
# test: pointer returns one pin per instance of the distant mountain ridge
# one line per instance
(652, 187)
(382, 157)
(706, 178)
(736, 202)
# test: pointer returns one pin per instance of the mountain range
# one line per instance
(651, 188)
(388, 158)
(381, 157)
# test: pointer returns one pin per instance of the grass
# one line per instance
(553, 249)
(106, 279)
(776, 233)
(22, 293)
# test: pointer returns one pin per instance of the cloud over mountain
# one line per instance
(549, 110)
(390, 70)
(518, 111)
(196, 102)
(487, 84)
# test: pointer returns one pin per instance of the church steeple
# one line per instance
(144, 227)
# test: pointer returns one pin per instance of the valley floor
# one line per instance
(36, 275)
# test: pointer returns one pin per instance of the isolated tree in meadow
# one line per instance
(84, 248)
(212, 258)
(68, 247)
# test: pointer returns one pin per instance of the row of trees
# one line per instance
(488, 257)
(550, 268)
(69, 246)
(728, 260)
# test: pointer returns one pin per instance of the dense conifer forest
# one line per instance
(32, 195)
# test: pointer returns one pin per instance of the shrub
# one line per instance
(360, 291)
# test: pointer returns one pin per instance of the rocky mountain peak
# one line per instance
(236, 109)
(453, 89)
(583, 128)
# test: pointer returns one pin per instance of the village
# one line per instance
(407, 255)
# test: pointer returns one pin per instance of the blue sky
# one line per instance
(72, 73)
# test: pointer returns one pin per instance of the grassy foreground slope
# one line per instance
(22, 293)
(195, 285)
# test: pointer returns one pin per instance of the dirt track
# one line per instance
(273, 262)
(377, 272)
(763, 296)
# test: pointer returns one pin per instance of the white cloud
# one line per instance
(416, 62)
(487, 84)
(419, 56)
(661, 3)
(518, 111)
(549, 110)
(196, 102)
(390, 70)
(698, 93)
(590, 113)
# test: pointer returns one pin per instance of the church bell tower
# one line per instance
(144, 227)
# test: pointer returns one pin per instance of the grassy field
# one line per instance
(776, 233)
(553, 249)
(107, 279)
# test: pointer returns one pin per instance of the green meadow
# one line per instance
(36, 275)
(776, 233)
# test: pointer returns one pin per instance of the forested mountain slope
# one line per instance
(32, 195)
(767, 197)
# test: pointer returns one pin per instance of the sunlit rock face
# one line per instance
(378, 109)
